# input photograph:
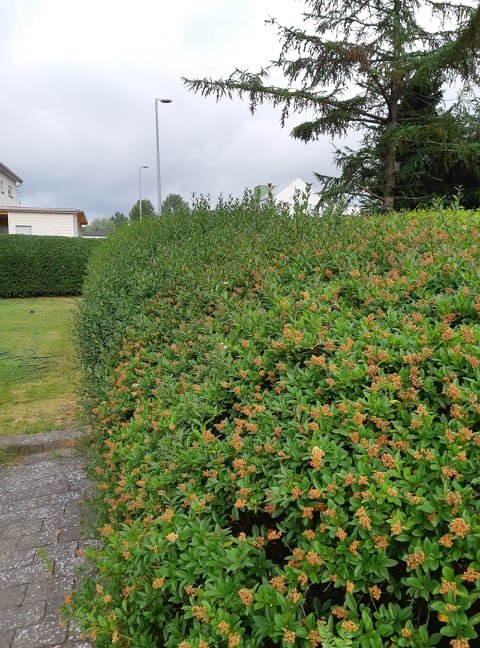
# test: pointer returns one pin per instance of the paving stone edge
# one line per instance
(44, 442)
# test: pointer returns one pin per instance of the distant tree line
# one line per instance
(173, 204)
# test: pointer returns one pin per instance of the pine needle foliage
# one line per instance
(350, 67)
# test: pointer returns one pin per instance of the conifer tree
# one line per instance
(439, 151)
(174, 204)
(351, 67)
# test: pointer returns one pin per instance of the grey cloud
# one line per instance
(76, 132)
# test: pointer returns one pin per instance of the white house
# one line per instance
(290, 194)
(50, 221)
(44, 221)
(9, 181)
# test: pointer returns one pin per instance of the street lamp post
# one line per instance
(159, 184)
(142, 166)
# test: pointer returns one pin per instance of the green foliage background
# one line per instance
(286, 430)
(34, 266)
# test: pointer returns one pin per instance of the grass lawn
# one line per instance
(39, 377)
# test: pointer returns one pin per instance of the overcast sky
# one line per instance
(78, 86)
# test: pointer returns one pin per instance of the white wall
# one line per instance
(75, 228)
(289, 193)
(6, 184)
(46, 224)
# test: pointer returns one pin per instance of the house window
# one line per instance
(23, 229)
(10, 191)
(2, 187)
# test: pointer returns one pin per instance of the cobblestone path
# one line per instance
(40, 522)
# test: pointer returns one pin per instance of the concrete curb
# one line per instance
(37, 443)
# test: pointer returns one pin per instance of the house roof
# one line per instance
(94, 234)
(287, 193)
(82, 219)
(10, 173)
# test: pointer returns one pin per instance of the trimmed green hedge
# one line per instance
(34, 266)
(179, 252)
(287, 435)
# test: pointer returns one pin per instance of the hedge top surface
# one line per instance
(287, 440)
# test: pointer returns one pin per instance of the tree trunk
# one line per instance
(389, 187)
(395, 94)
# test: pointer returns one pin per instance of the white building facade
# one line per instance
(9, 183)
(40, 221)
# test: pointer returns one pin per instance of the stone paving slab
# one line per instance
(43, 442)
(40, 535)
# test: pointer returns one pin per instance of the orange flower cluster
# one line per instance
(375, 592)
(289, 637)
(246, 596)
(415, 559)
(459, 527)
(279, 583)
(470, 575)
(448, 586)
(396, 527)
(363, 518)
(316, 459)
(200, 613)
(339, 612)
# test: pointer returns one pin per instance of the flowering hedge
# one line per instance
(287, 450)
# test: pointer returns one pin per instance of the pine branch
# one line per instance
(369, 65)
(460, 54)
